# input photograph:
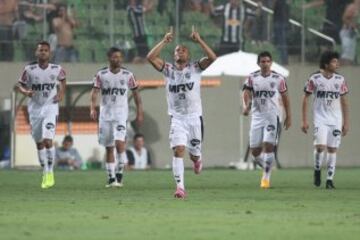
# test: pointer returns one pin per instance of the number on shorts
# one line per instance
(182, 96)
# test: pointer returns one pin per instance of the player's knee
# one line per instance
(40, 145)
(331, 150)
(48, 143)
(120, 146)
(256, 151)
(179, 151)
(320, 148)
(269, 147)
(194, 158)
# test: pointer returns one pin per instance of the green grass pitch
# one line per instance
(221, 204)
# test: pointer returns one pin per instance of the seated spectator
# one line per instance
(138, 156)
(66, 156)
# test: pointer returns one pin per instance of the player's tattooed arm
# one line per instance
(286, 103)
(210, 54)
(345, 113)
(93, 99)
(139, 107)
(61, 91)
(304, 112)
(246, 101)
(154, 55)
(24, 90)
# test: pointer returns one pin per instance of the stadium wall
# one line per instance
(221, 113)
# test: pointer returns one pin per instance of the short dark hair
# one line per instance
(43, 43)
(138, 135)
(113, 50)
(68, 138)
(326, 58)
(263, 54)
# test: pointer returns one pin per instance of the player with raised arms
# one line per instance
(182, 80)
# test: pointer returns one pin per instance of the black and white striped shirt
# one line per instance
(233, 18)
(136, 19)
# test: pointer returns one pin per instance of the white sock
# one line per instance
(50, 153)
(120, 162)
(331, 162)
(42, 159)
(318, 159)
(258, 159)
(110, 169)
(268, 160)
(178, 171)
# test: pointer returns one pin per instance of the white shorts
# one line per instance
(109, 131)
(43, 127)
(187, 132)
(328, 135)
(267, 131)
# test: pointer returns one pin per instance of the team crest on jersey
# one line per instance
(321, 86)
(272, 84)
(336, 86)
(120, 127)
(187, 75)
(336, 132)
(52, 77)
(122, 81)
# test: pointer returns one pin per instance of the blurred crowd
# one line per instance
(240, 21)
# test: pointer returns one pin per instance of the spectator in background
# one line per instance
(7, 17)
(68, 157)
(63, 26)
(349, 33)
(138, 156)
(259, 29)
(136, 10)
(281, 10)
(233, 13)
(333, 17)
(52, 12)
(26, 14)
(201, 6)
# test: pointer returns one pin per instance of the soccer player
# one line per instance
(114, 83)
(44, 83)
(183, 80)
(261, 93)
(330, 114)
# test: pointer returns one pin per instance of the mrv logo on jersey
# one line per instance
(113, 91)
(265, 94)
(327, 94)
(42, 87)
(181, 87)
